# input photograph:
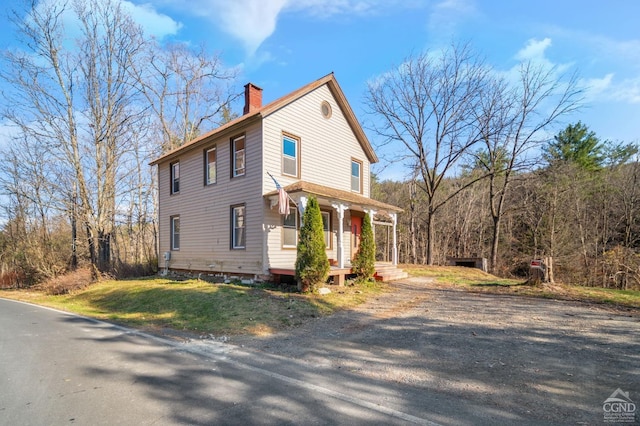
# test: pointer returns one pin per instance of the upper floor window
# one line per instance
(238, 152)
(175, 233)
(356, 176)
(175, 177)
(210, 166)
(290, 148)
(238, 227)
(290, 229)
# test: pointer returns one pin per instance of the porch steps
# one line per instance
(389, 272)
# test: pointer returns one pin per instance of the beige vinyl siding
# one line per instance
(205, 211)
(326, 145)
(326, 149)
(278, 257)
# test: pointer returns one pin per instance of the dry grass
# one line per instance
(471, 279)
(11, 279)
(458, 275)
(67, 283)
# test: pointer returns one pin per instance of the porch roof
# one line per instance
(331, 195)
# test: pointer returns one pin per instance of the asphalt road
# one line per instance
(57, 368)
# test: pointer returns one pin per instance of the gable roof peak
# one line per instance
(260, 112)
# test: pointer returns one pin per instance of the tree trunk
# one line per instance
(104, 251)
(74, 241)
(495, 238)
(93, 256)
(430, 237)
(549, 264)
(412, 230)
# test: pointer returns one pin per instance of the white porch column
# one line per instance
(340, 209)
(394, 218)
(302, 204)
(372, 213)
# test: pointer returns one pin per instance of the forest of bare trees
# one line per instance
(579, 205)
(493, 168)
(493, 174)
(91, 101)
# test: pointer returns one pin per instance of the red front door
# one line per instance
(356, 230)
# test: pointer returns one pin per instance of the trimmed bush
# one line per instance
(312, 264)
(364, 262)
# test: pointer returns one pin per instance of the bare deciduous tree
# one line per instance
(427, 107)
(186, 90)
(87, 127)
(513, 120)
(74, 101)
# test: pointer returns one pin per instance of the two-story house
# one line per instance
(218, 202)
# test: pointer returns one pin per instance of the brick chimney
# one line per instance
(252, 98)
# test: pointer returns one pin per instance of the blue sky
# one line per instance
(281, 45)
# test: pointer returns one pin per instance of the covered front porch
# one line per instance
(347, 210)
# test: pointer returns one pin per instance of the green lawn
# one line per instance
(198, 306)
(475, 280)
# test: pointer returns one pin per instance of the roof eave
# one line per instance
(268, 109)
(221, 131)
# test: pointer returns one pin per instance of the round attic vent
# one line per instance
(325, 108)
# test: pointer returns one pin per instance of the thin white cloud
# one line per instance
(328, 8)
(596, 87)
(153, 23)
(250, 21)
(600, 48)
(607, 89)
(535, 53)
(253, 21)
(534, 50)
(446, 15)
(628, 91)
(621, 55)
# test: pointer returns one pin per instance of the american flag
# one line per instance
(283, 198)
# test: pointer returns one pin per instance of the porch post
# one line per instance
(394, 219)
(340, 209)
(302, 204)
(372, 213)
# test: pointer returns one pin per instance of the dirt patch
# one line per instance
(524, 359)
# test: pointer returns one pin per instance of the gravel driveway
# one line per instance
(481, 358)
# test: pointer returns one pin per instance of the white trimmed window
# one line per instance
(290, 148)
(175, 177)
(210, 166)
(238, 160)
(290, 229)
(238, 227)
(175, 232)
(356, 176)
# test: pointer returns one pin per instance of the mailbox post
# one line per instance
(540, 271)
